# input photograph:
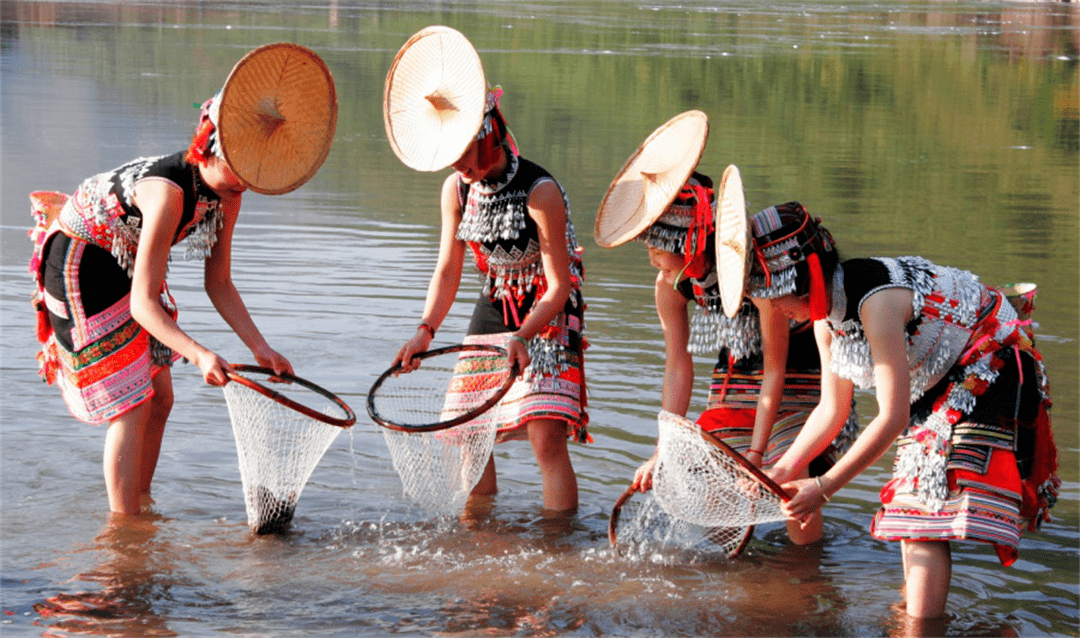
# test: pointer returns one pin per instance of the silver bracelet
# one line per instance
(817, 479)
(522, 340)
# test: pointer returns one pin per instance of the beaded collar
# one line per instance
(491, 214)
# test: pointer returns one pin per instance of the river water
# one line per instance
(943, 129)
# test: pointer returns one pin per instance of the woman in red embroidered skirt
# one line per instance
(959, 385)
(106, 321)
(766, 377)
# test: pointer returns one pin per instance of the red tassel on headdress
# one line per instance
(819, 300)
(698, 234)
(198, 151)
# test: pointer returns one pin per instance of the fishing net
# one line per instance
(440, 421)
(704, 494)
(439, 469)
(278, 448)
(647, 528)
(449, 386)
(700, 480)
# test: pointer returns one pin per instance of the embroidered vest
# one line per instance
(495, 223)
(711, 330)
(103, 211)
(945, 305)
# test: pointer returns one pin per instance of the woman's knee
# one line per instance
(548, 440)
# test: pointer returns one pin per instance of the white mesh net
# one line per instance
(439, 469)
(700, 495)
(645, 528)
(449, 385)
(278, 449)
(696, 482)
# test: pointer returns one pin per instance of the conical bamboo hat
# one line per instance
(433, 101)
(651, 178)
(732, 240)
(276, 117)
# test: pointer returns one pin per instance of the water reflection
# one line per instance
(127, 584)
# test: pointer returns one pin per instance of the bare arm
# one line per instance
(218, 282)
(884, 316)
(824, 422)
(445, 280)
(162, 205)
(775, 338)
(671, 306)
(547, 209)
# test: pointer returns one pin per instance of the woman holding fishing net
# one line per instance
(765, 380)
(106, 320)
(959, 384)
(514, 218)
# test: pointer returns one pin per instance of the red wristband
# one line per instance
(430, 330)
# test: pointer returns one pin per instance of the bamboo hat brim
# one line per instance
(651, 179)
(277, 115)
(434, 98)
(732, 240)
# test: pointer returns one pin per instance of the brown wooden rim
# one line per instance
(270, 393)
(746, 465)
(616, 511)
(458, 420)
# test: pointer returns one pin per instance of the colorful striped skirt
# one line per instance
(92, 348)
(1000, 468)
(733, 407)
(541, 396)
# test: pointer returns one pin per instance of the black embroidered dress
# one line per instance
(92, 348)
(504, 240)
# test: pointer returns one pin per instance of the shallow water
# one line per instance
(945, 129)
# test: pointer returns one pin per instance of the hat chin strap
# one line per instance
(678, 277)
(690, 270)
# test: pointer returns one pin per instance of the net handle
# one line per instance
(749, 468)
(274, 395)
(616, 511)
(458, 420)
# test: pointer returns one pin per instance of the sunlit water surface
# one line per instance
(942, 129)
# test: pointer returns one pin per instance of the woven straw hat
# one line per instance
(732, 240)
(433, 101)
(651, 178)
(276, 117)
